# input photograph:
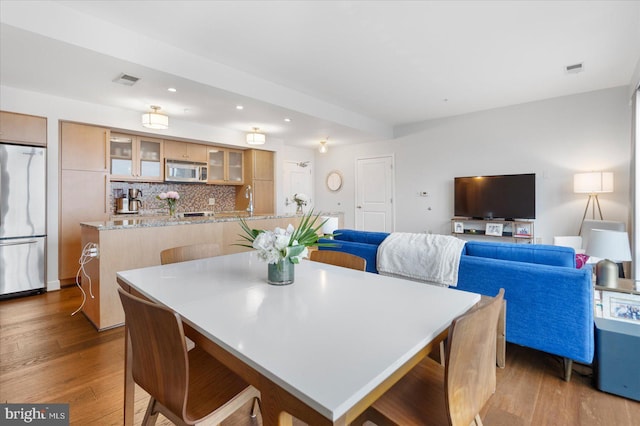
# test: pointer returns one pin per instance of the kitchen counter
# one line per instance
(130, 243)
(151, 221)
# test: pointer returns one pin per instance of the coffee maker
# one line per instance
(134, 200)
(128, 202)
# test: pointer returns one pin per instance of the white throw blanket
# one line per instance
(422, 257)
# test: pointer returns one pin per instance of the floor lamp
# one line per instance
(592, 183)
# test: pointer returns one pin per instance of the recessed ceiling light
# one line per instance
(239, 107)
(288, 120)
(172, 89)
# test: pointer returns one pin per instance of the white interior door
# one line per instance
(297, 180)
(374, 194)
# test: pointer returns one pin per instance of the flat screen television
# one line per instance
(496, 197)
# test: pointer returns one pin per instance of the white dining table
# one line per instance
(321, 349)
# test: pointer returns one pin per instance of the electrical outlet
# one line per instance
(212, 201)
(423, 194)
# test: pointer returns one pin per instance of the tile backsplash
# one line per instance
(193, 197)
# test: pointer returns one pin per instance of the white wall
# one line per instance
(554, 138)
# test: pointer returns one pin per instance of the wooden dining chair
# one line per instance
(190, 252)
(452, 395)
(339, 258)
(186, 387)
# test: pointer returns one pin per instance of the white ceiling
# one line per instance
(350, 70)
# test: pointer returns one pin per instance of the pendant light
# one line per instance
(323, 147)
(155, 120)
(255, 138)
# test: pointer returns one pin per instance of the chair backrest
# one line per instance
(575, 242)
(191, 252)
(339, 258)
(470, 368)
(159, 355)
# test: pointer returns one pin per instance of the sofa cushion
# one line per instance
(366, 237)
(530, 253)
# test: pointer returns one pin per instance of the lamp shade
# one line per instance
(330, 225)
(155, 120)
(593, 182)
(612, 245)
(255, 138)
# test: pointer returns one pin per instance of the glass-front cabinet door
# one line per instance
(226, 166)
(216, 166)
(150, 159)
(121, 151)
(234, 167)
(135, 158)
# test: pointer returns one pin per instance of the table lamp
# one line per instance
(610, 246)
(330, 225)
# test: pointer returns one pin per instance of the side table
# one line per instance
(617, 348)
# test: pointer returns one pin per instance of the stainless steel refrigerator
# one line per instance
(22, 219)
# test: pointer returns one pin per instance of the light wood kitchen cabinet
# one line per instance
(84, 190)
(136, 158)
(83, 147)
(186, 151)
(259, 173)
(226, 166)
(23, 129)
(83, 198)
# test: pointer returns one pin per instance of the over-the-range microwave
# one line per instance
(185, 171)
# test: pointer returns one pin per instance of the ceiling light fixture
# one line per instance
(172, 89)
(255, 138)
(239, 107)
(288, 120)
(323, 147)
(155, 120)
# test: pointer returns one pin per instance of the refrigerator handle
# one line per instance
(17, 243)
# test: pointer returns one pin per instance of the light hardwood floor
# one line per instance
(47, 355)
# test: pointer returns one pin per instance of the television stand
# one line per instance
(516, 230)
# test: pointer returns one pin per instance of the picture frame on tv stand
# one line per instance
(494, 229)
(458, 227)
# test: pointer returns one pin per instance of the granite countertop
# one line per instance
(150, 221)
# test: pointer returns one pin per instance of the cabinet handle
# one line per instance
(106, 150)
(106, 193)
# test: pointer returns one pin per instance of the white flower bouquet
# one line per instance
(283, 244)
(301, 199)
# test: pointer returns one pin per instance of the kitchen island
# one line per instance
(131, 243)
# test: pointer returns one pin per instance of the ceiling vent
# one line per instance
(126, 79)
(574, 69)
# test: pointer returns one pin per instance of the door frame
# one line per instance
(391, 156)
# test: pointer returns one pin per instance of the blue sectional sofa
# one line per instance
(549, 300)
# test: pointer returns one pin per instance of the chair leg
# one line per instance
(477, 420)
(151, 415)
(256, 401)
(568, 365)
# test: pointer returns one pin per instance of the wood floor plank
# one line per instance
(47, 355)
